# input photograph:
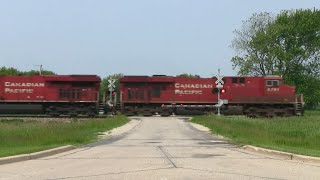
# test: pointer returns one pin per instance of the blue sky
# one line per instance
(140, 37)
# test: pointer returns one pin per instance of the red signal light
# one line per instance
(223, 91)
(114, 93)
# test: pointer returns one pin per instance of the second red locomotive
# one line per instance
(251, 96)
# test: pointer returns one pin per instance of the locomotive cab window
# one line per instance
(242, 80)
(272, 82)
(234, 80)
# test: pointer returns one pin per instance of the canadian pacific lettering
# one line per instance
(9, 90)
(23, 87)
(189, 89)
(188, 92)
(13, 84)
(193, 86)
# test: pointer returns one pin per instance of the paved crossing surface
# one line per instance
(160, 148)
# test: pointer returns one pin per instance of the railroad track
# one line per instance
(53, 117)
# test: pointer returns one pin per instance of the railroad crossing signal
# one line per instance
(111, 87)
(219, 85)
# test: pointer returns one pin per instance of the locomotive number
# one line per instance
(273, 89)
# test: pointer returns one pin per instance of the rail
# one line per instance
(55, 117)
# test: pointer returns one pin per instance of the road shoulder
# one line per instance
(50, 152)
(263, 151)
(36, 155)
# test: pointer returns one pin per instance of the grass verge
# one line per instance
(300, 135)
(19, 137)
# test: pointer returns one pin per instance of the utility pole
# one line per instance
(40, 69)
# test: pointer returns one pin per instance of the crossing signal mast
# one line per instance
(219, 86)
(112, 87)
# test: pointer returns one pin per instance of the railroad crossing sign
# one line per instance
(219, 79)
(111, 85)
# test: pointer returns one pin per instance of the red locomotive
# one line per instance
(53, 95)
(251, 96)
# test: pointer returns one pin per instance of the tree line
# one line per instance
(286, 44)
(10, 71)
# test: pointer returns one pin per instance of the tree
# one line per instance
(287, 45)
(295, 42)
(34, 72)
(4, 71)
(253, 58)
(188, 75)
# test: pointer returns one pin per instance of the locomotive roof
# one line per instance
(91, 78)
(87, 78)
(163, 78)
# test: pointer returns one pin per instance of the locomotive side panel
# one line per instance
(73, 92)
(55, 95)
(194, 90)
(22, 88)
(160, 92)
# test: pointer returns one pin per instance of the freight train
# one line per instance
(251, 96)
(53, 95)
(148, 95)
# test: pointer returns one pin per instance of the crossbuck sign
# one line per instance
(219, 79)
(111, 85)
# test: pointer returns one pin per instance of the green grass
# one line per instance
(299, 135)
(19, 137)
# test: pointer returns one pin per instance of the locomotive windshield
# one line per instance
(272, 82)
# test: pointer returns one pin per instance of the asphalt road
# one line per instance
(160, 148)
